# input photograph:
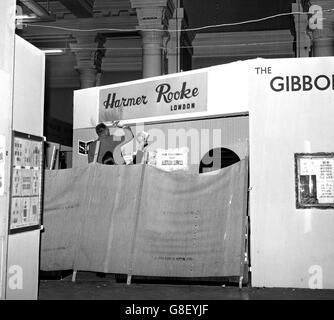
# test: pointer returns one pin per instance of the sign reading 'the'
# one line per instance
(184, 94)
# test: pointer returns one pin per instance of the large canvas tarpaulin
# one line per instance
(139, 220)
(89, 215)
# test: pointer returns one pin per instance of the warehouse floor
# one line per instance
(90, 287)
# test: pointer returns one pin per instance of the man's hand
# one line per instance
(118, 123)
(142, 138)
(141, 145)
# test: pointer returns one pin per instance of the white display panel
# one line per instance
(28, 111)
(7, 32)
(23, 266)
(289, 115)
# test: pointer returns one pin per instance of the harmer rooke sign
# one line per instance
(186, 94)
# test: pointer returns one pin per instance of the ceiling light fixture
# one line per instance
(25, 17)
(53, 51)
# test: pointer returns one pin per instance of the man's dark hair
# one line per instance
(101, 127)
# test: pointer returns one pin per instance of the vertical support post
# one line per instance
(53, 158)
(240, 282)
(97, 150)
(133, 242)
(96, 153)
(74, 275)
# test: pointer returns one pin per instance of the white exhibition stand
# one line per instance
(290, 247)
(287, 105)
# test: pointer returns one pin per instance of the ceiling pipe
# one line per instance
(40, 11)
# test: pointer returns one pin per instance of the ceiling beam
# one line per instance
(80, 8)
(38, 10)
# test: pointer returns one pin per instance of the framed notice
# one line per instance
(314, 180)
(171, 159)
(26, 188)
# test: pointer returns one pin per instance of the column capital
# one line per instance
(89, 50)
(153, 13)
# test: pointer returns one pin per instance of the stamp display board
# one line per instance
(26, 190)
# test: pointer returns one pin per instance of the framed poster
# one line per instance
(27, 183)
(314, 180)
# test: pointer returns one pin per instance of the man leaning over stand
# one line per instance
(110, 145)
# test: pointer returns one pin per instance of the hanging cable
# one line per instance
(185, 47)
(177, 30)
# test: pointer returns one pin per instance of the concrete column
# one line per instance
(88, 77)
(152, 53)
(322, 26)
(153, 16)
(89, 52)
(180, 43)
(303, 36)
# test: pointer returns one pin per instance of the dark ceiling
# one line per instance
(208, 12)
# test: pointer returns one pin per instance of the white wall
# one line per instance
(28, 113)
(7, 33)
(23, 264)
(85, 108)
(289, 247)
(28, 88)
